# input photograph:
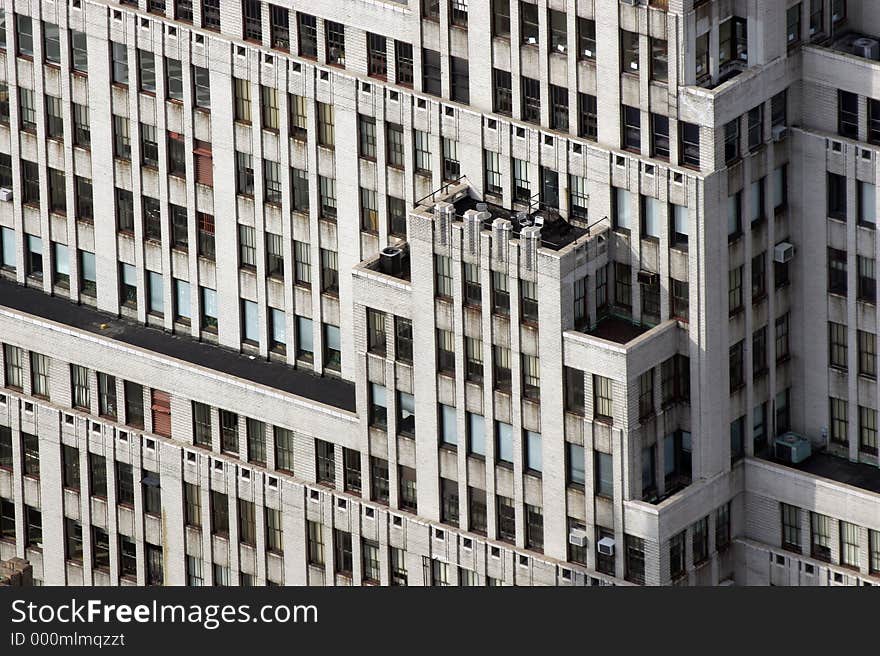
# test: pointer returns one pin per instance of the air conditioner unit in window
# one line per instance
(633, 3)
(648, 277)
(606, 546)
(5, 194)
(577, 537)
(783, 252)
(779, 132)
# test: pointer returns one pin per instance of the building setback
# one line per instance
(631, 246)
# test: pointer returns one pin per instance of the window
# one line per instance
(867, 280)
(847, 114)
(736, 366)
(369, 211)
(30, 182)
(431, 72)
(394, 148)
(578, 197)
(575, 464)
(820, 537)
(492, 171)
(837, 282)
(7, 248)
(299, 192)
(501, 368)
(531, 99)
(375, 332)
(689, 146)
(407, 497)
(242, 101)
(756, 127)
(332, 350)
(477, 510)
(677, 566)
(632, 118)
(269, 108)
(308, 35)
(576, 554)
(534, 527)
(14, 366)
(874, 551)
(531, 376)
(219, 514)
(70, 467)
(192, 505)
(586, 36)
(305, 348)
(503, 443)
(366, 137)
(298, 120)
(54, 120)
(604, 563)
(329, 272)
(278, 330)
(174, 79)
(73, 547)
(378, 479)
(247, 247)
(150, 146)
(422, 148)
(759, 352)
(449, 501)
(604, 474)
(134, 404)
(378, 409)
(558, 107)
(849, 545)
(403, 341)
(731, 141)
(124, 484)
(502, 95)
(660, 136)
(51, 42)
(528, 301)
(250, 328)
(119, 56)
(271, 182)
(867, 430)
(476, 429)
(733, 44)
(793, 25)
(634, 562)
(228, 432)
(244, 174)
(252, 14)
(81, 128)
(377, 58)
(24, 30)
(284, 446)
(106, 395)
(247, 523)
(34, 256)
(701, 57)
(629, 49)
(209, 309)
(79, 59)
(279, 24)
(782, 344)
(867, 204)
(473, 359)
(873, 121)
(327, 197)
(351, 469)
(506, 528)
(334, 34)
(867, 354)
(521, 186)
(839, 421)
(207, 248)
(501, 18)
(602, 398)
(451, 165)
(403, 58)
(622, 285)
(588, 117)
(659, 60)
(81, 394)
(735, 290)
(446, 352)
(460, 78)
(836, 196)
(57, 192)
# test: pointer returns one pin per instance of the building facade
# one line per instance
(630, 244)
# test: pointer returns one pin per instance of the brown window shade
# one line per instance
(161, 407)
(204, 163)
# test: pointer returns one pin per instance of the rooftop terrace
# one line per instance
(322, 389)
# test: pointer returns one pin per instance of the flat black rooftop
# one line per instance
(331, 391)
(857, 474)
(617, 329)
(556, 233)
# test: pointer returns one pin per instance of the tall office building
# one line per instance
(630, 246)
